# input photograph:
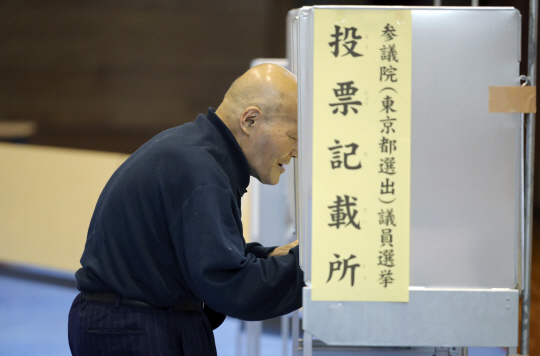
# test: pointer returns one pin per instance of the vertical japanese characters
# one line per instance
(342, 210)
(388, 145)
(361, 155)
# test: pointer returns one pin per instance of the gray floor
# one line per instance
(33, 321)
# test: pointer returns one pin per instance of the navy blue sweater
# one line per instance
(167, 228)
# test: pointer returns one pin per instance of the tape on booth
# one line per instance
(512, 99)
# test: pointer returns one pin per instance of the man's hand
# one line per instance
(283, 250)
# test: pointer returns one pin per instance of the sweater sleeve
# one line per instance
(259, 250)
(222, 274)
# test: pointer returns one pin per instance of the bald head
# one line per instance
(260, 109)
(269, 87)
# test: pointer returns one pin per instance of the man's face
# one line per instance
(274, 145)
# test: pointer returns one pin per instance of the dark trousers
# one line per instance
(97, 328)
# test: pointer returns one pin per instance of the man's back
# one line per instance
(129, 234)
(166, 234)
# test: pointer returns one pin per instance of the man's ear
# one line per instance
(250, 118)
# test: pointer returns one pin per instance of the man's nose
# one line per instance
(294, 153)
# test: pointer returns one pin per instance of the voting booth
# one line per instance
(409, 184)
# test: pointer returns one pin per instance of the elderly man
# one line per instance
(166, 235)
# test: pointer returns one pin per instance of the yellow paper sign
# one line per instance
(361, 155)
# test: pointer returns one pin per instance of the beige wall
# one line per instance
(47, 196)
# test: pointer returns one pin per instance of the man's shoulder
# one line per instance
(189, 153)
(180, 158)
(181, 144)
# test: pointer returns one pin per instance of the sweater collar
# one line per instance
(238, 171)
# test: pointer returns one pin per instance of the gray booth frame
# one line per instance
(432, 307)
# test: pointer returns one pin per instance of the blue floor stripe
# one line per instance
(33, 321)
